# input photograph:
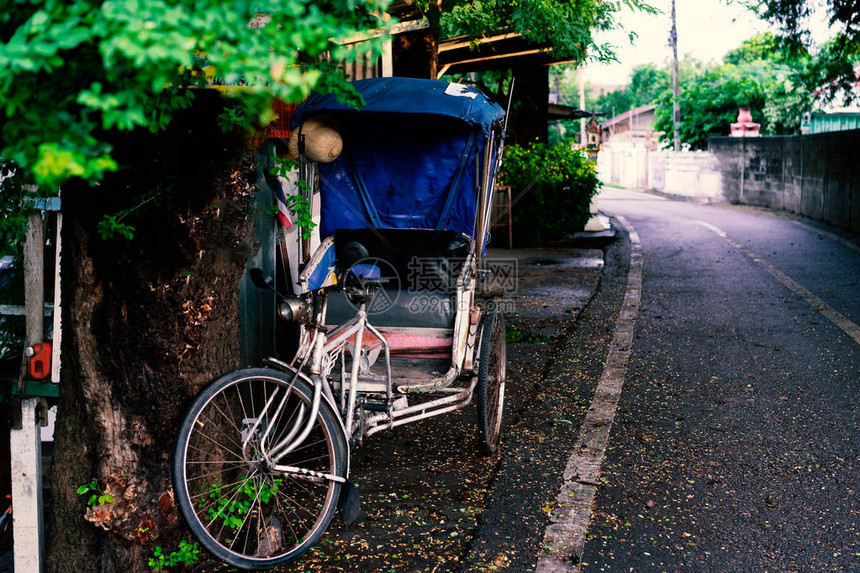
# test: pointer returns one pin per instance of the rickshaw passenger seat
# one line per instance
(417, 275)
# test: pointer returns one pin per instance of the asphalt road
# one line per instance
(736, 443)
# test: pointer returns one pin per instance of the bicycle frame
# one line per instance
(323, 352)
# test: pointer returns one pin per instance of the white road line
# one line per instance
(837, 318)
(564, 538)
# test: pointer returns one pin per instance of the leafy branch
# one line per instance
(112, 225)
(298, 204)
(74, 73)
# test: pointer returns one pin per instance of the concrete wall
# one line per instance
(813, 175)
(623, 164)
(689, 174)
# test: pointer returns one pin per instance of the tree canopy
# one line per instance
(769, 75)
(647, 84)
(794, 15)
(840, 56)
(566, 26)
(779, 78)
(709, 104)
(71, 71)
(765, 47)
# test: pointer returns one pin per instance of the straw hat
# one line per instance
(323, 143)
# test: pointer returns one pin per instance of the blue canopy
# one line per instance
(413, 156)
(410, 95)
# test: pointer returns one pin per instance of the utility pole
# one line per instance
(583, 139)
(676, 106)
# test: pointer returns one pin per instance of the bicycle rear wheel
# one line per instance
(237, 504)
(491, 381)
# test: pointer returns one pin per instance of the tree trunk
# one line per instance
(148, 322)
(414, 54)
(528, 121)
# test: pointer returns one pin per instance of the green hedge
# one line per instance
(551, 187)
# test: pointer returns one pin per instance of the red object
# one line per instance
(280, 127)
(40, 362)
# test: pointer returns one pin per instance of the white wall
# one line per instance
(688, 173)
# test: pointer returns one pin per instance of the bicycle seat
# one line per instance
(365, 275)
(360, 281)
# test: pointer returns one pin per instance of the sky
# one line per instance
(707, 29)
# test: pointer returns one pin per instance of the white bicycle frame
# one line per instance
(323, 351)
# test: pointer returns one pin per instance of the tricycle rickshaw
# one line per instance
(392, 329)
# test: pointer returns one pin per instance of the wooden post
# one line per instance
(676, 106)
(34, 289)
(26, 440)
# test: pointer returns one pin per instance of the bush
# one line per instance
(552, 187)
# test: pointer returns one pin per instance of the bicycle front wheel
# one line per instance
(238, 500)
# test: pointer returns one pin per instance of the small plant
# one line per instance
(300, 206)
(187, 554)
(231, 118)
(112, 225)
(283, 166)
(230, 511)
(96, 493)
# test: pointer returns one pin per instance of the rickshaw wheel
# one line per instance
(237, 505)
(491, 381)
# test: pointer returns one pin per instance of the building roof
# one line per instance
(492, 53)
(621, 118)
(558, 111)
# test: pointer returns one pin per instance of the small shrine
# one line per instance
(745, 127)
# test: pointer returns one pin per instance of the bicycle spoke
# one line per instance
(238, 456)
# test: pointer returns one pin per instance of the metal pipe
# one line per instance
(315, 406)
(424, 416)
(292, 433)
(308, 473)
(385, 348)
(460, 400)
(353, 377)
